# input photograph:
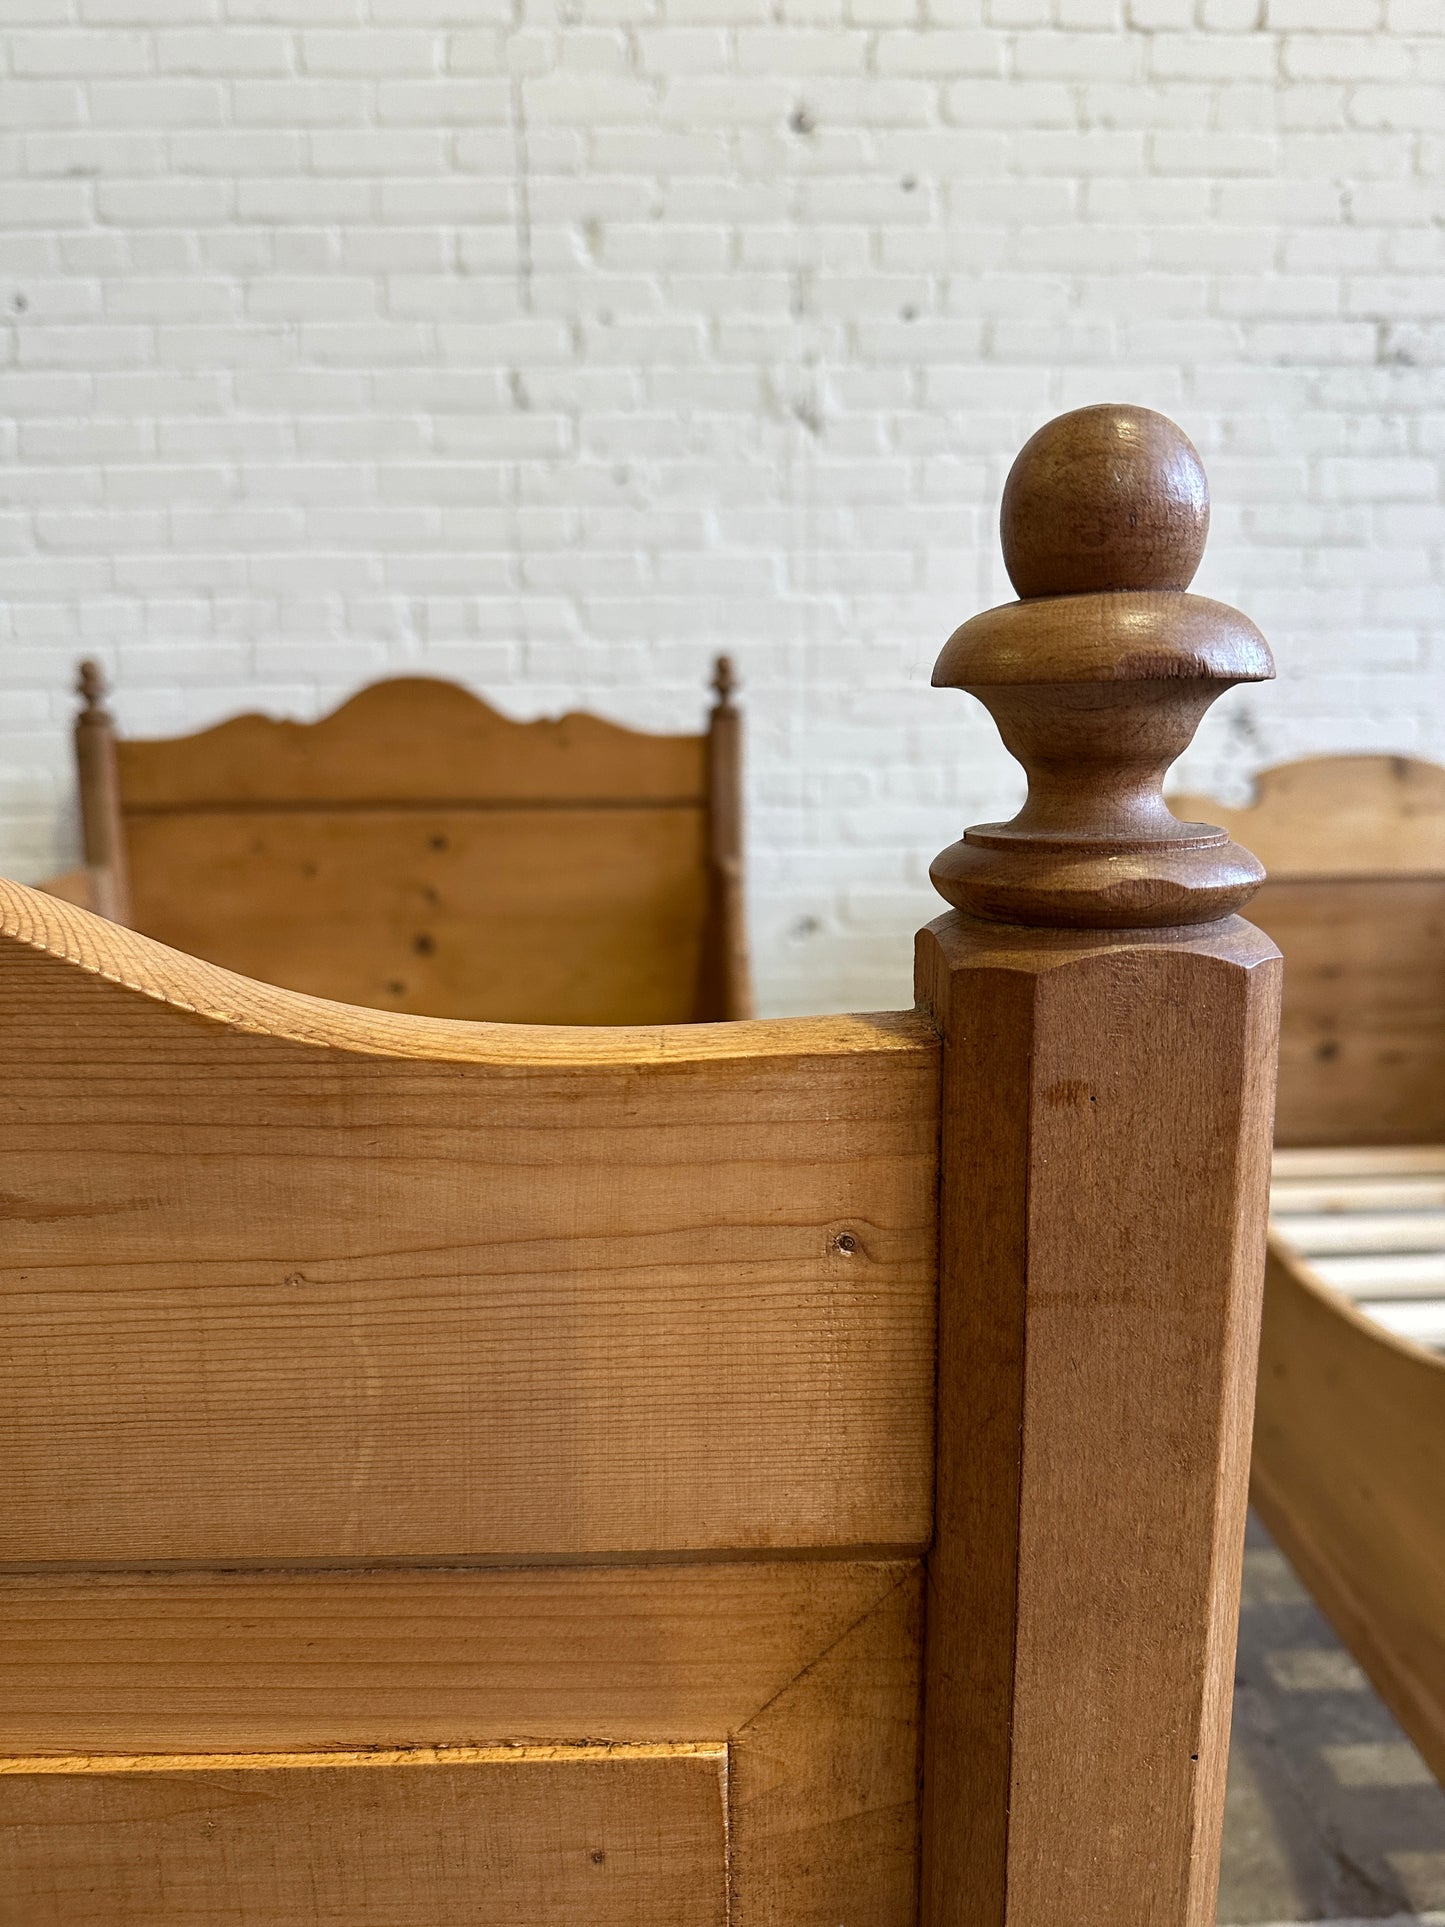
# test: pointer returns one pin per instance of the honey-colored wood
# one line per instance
(463, 1470)
(1340, 816)
(1355, 848)
(289, 1662)
(381, 907)
(1104, 498)
(416, 850)
(1362, 1048)
(1106, 1108)
(1349, 1443)
(1349, 1468)
(1098, 680)
(414, 741)
(406, 1840)
(273, 1297)
(805, 1672)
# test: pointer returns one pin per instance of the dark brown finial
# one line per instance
(1098, 678)
(724, 683)
(91, 689)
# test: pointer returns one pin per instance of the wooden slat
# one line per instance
(580, 916)
(807, 1670)
(1421, 1320)
(1349, 1468)
(1411, 1274)
(1341, 1162)
(285, 1281)
(415, 740)
(615, 1839)
(1345, 1194)
(1328, 1233)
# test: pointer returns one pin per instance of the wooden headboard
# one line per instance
(474, 1472)
(1355, 851)
(418, 851)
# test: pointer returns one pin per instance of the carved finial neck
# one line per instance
(724, 681)
(90, 686)
(1098, 678)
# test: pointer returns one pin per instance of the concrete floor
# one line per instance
(1332, 1815)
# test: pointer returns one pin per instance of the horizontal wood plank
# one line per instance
(613, 1839)
(1351, 1163)
(1361, 1276)
(808, 1672)
(275, 1662)
(1327, 1233)
(286, 1282)
(586, 916)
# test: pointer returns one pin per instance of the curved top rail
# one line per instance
(72, 936)
(418, 737)
(1341, 816)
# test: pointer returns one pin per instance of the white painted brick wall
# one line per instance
(556, 344)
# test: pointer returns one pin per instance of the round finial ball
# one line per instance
(1111, 497)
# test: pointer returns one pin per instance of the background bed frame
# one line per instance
(1349, 1443)
(418, 851)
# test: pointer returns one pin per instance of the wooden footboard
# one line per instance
(1349, 1476)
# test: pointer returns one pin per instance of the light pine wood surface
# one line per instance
(1355, 848)
(803, 1673)
(1349, 1469)
(597, 1835)
(474, 1471)
(1339, 816)
(362, 1306)
(416, 850)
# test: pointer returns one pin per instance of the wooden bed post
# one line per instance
(102, 828)
(727, 971)
(1109, 1032)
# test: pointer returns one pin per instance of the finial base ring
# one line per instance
(1096, 885)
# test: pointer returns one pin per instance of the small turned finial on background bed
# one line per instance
(724, 684)
(91, 689)
(1097, 679)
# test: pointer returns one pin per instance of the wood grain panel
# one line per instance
(286, 1662)
(496, 1839)
(807, 1670)
(1349, 1468)
(1362, 1038)
(1338, 816)
(575, 916)
(273, 1293)
(411, 739)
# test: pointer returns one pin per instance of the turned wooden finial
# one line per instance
(724, 684)
(91, 689)
(1097, 679)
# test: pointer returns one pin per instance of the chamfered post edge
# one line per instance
(1109, 1026)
